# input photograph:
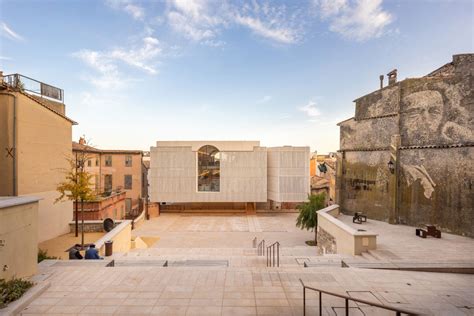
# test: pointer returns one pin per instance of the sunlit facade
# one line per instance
(227, 175)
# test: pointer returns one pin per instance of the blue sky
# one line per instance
(280, 72)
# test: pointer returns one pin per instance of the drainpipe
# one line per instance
(15, 193)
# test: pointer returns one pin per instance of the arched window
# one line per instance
(209, 169)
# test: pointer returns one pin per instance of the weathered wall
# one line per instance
(434, 118)
(365, 184)
(380, 102)
(436, 111)
(368, 134)
(19, 233)
(437, 188)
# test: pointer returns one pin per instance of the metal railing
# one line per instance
(273, 255)
(347, 298)
(261, 248)
(28, 84)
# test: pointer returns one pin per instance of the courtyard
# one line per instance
(245, 285)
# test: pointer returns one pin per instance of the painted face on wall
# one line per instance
(423, 114)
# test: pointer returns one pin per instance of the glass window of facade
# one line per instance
(128, 161)
(208, 169)
(108, 161)
(128, 182)
(108, 183)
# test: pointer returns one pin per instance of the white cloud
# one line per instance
(105, 62)
(139, 57)
(198, 20)
(359, 20)
(279, 34)
(271, 22)
(310, 110)
(7, 32)
(203, 20)
(128, 6)
(5, 58)
(265, 99)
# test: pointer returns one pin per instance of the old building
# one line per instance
(35, 140)
(108, 205)
(115, 171)
(227, 175)
(407, 154)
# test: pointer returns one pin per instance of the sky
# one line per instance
(282, 72)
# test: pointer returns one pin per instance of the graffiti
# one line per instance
(427, 117)
(413, 173)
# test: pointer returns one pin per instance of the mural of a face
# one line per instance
(423, 114)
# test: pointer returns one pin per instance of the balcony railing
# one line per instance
(24, 83)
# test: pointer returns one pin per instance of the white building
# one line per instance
(227, 175)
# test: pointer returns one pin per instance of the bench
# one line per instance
(359, 218)
(429, 230)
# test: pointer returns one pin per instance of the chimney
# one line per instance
(82, 141)
(381, 81)
(392, 77)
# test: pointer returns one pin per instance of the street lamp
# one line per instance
(391, 166)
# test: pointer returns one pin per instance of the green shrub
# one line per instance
(43, 255)
(12, 290)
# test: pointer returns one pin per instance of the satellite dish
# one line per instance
(108, 224)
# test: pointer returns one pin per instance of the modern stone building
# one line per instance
(227, 175)
(35, 142)
(407, 154)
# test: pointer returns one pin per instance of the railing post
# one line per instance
(347, 307)
(320, 303)
(278, 254)
(304, 300)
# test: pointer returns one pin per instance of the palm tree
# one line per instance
(308, 217)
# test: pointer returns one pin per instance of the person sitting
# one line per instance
(74, 252)
(92, 253)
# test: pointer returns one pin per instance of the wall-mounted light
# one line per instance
(391, 167)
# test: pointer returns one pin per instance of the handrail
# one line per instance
(398, 311)
(271, 254)
(261, 248)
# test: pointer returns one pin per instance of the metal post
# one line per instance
(304, 300)
(278, 254)
(347, 307)
(320, 303)
(273, 253)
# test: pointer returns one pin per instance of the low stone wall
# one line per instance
(18, 236)
(91, 226)
(338, 236)
(326, 242)
(121, 235)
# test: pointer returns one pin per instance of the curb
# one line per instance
(16, 307)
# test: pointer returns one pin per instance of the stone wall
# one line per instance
(326, 242)
(432, 180)
(365, 184)
(437, 187)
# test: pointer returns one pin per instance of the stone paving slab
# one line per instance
(223, 291)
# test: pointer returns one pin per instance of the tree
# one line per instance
(308, 218)
(77, 186)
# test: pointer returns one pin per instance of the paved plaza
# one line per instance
(245, 286)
